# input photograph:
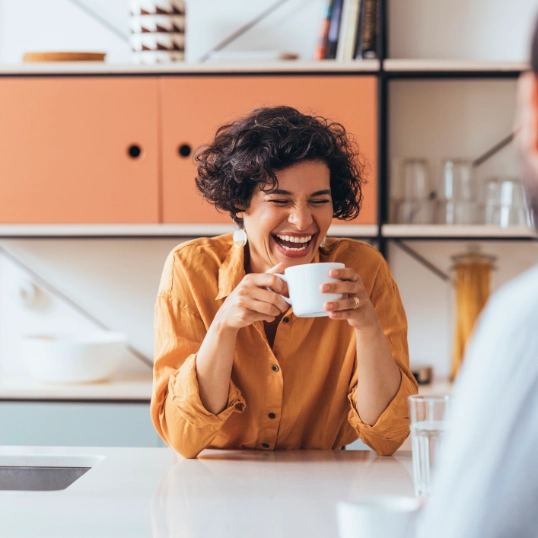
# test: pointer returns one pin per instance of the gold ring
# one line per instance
(357, 302)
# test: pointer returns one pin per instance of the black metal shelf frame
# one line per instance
(383, 115)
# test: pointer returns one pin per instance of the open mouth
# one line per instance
(293, 244)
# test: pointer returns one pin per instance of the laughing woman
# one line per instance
(234, 367)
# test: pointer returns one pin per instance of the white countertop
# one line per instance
(23, 387)
(150, 492)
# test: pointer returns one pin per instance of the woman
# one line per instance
(234, 368)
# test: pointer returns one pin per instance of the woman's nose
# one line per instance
(300, 217)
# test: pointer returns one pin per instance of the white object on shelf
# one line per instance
(73, 359)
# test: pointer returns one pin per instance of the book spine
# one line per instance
(321, 49)
(334, 29)
(360, 27)
(351, 29)
(369, 34)
(343, 33)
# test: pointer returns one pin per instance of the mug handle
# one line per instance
(287, 299)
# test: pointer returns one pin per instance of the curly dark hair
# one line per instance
(247, 152)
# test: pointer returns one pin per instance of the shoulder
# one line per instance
(367, 261)
(199, 259)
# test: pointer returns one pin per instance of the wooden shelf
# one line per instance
(179, 68)
(452, 66)
(434, 231)
(8, 231)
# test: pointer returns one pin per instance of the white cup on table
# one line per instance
(378, 516)
(304, 286)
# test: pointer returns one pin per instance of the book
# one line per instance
(334, 30)
(321, 49)
(366, 42)
(348, 30)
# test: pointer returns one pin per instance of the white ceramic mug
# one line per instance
(378, 516)
(304, 286)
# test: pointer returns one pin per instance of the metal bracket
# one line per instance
(423, 261)
(60, 295)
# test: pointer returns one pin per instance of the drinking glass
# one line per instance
(504, 202)
(427, 415)
(410, 192)
(456, 195)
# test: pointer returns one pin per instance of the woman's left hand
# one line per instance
(356, 306)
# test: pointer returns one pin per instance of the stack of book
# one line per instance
(349, 30)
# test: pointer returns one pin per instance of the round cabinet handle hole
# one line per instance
(134, 151)
(185, 150)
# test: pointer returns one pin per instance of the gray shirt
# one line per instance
(487, 481)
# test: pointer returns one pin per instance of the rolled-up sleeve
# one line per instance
(392, 427)
(176, 408)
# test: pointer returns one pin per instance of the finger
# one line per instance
(347, 304)
(344, 286)
(266, 309)
(268, 280)
(347, 273)
(271, 297)
(261, 300)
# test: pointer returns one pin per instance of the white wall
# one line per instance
(36, 25)
(469, 29)
(116, 280)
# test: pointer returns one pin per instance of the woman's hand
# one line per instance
(356, 306)
(251, 301)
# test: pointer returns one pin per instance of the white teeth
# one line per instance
(293, 239)
(294, 249)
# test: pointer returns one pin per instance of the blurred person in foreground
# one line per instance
(234, 367)
(487, 481)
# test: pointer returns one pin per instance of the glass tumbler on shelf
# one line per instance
(504, 202)
(428, 414)
(456, 196)
(410, 192)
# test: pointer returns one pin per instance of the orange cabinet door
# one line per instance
(193, 108)
(64, 150)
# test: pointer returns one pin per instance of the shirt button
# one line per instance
(286, 320)
(275, 368)
(265, 445)
(271, 415)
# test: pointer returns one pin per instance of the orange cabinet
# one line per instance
(193, 107)
(79, 150)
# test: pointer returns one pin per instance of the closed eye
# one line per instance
(320, 202)
(280, 202)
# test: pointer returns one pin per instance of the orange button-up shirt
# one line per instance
(302, 392)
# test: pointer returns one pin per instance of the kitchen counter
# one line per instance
(152, 492)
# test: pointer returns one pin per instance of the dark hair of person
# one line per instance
(246, 153)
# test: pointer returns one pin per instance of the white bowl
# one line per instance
(73, 359)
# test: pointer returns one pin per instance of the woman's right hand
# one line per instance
(251, 301)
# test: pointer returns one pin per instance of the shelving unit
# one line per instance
(148, 231)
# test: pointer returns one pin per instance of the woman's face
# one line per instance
(287, 225)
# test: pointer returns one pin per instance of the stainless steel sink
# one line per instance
(47, 472)
(39, 478)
